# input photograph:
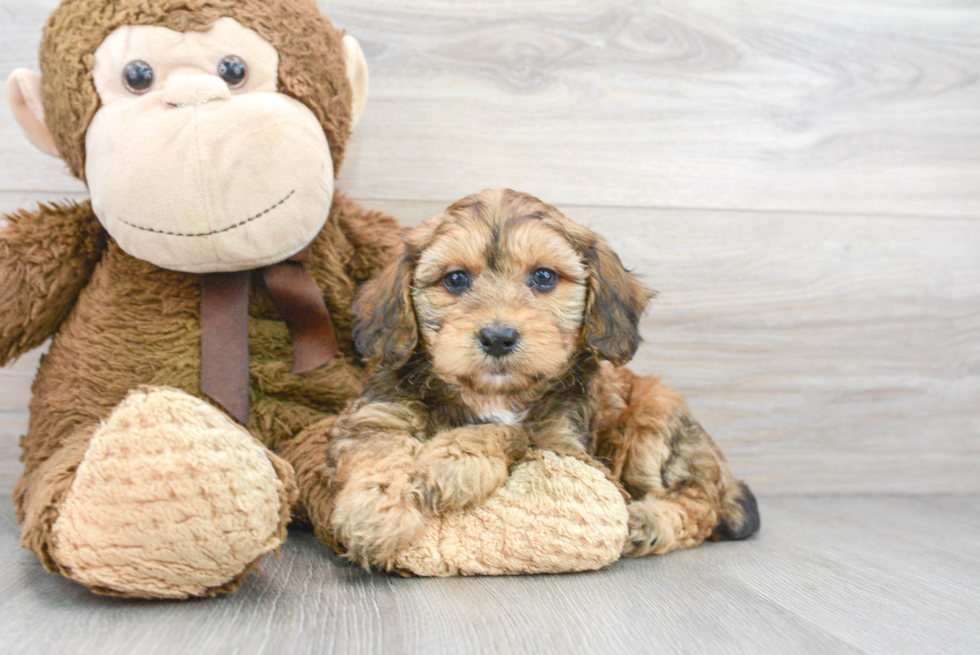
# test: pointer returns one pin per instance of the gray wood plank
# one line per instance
(884, 574)
(827, 574)
(869, 106)
(21, 165)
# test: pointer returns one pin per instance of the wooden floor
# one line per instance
(833, 575)
(800, 180)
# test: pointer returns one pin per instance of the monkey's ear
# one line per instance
(385, 329)
(25, 99)
(357, 75)
(615, 304)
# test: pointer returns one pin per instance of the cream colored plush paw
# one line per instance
(172, 499)
(553, 514)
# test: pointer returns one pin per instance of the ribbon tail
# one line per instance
(299, 301)
(224, 341)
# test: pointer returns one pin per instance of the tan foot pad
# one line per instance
(577, 522)
(172, 499)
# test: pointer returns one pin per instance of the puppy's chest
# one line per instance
(449, 415)
(545, 418)
(494, 409)
(501, 413)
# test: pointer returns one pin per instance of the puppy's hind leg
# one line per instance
(682, 489)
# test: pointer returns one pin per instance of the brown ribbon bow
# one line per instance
(224, 327)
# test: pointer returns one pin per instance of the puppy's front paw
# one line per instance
(377, 513)
(653, 527)
(453, 476)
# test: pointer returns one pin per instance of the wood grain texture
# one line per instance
(15, 394)
(825, 575)
(22, 167)
(867, 106)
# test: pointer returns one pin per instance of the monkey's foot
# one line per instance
(172, 499)
(553, 515)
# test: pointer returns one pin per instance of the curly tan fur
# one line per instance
(442, 419)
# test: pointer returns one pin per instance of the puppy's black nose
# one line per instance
(499, 340)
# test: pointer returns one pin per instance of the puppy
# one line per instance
(488, 337)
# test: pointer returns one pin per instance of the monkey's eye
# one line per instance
(543, 279)
(233, 71)
(138, 76)
(456, 282)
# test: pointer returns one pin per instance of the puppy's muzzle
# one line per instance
(499, 340)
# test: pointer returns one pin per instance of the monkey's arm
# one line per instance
(46, 258)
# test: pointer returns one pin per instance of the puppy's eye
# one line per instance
(543, 279)
(233, 71)
(138, 77)
(457, 282)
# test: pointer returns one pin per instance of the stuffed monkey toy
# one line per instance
(199, 303)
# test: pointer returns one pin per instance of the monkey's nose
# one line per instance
(189, 90)
(499, 340)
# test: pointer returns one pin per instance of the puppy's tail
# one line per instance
(739, 514)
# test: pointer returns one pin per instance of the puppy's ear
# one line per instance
(614, 306)
(385, 329)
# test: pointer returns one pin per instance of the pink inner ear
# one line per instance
(24, 97)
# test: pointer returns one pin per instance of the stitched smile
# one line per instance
(207, 234)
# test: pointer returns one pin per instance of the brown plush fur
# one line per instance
(43, 276)
(311, 66)
(118, 322)
(135, 324)
(441, 420)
